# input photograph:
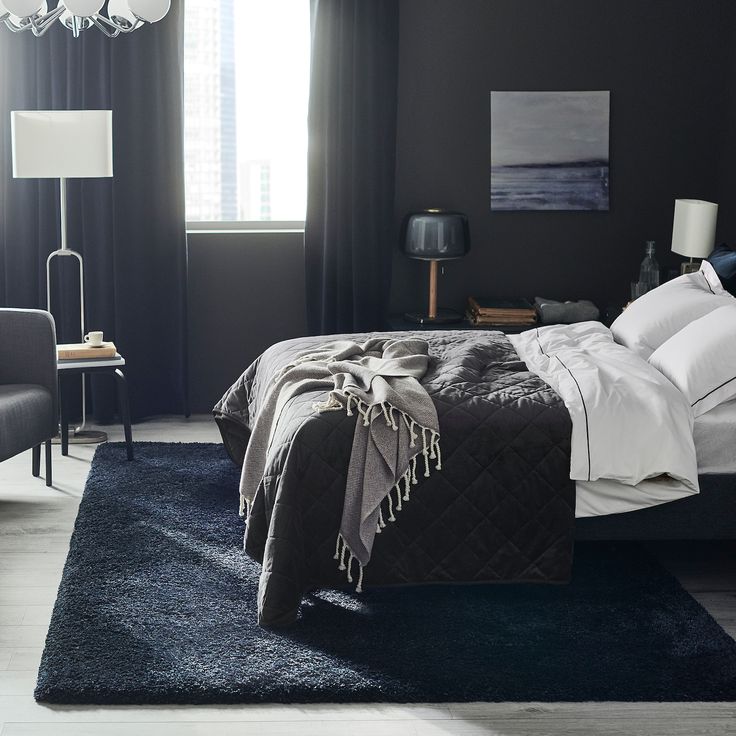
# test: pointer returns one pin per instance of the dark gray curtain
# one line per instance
(129, 229)
(352, 142)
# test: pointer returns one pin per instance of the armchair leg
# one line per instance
(49, 479)
(36, 461)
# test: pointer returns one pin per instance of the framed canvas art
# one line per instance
(549, 150)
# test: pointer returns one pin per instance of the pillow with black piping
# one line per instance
(661, 313)
(723, 260)
(701, 359)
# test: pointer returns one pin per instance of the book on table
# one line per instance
(484, 311)
(85, 351)
(498, 322)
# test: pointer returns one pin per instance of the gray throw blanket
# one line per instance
(380, 380)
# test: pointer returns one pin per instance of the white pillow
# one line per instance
(701, 359)
(655, 317)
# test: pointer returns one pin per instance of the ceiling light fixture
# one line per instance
(123, 16)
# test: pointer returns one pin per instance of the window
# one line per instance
(246, 86)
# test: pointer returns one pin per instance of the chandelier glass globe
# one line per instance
(150, 10)
(23, 8)
(84, 8)
(120, 16)
(119, 12)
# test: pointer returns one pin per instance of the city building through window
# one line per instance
(246, 87)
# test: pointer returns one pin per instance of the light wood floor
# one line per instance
(35, 526)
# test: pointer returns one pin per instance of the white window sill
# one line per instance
(246, 227)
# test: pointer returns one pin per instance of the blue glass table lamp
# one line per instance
(435, 235)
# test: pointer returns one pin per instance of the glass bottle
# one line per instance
(649, 271)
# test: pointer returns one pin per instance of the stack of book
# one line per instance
(85, 351)
(504, 313)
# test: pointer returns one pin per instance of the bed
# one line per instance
(550, 436)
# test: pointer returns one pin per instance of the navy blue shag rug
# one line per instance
(157, 605)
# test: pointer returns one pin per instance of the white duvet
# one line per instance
(632, 435)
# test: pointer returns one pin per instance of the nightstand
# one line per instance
(398, 323)
(113, 366)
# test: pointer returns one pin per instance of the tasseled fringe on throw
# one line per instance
(430, 438)
(409, 479)
(410, 423)
(381, 523)
(430, 447)
(332, 404)
(340, 550)
(430, 451)
(436, 453)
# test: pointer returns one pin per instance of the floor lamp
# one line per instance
(64, 144)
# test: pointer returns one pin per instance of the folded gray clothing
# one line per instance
(553, 312)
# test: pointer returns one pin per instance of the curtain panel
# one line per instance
(130, 229)
(351, 167)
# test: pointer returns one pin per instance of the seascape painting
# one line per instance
(549, 150)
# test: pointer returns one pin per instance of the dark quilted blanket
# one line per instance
(500, 510)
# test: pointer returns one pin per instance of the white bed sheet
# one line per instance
(715, 446)
(602, 497)
(715, 439)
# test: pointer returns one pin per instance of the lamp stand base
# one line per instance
(85, 437)
(444, 317)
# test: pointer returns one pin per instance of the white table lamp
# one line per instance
(694, 230)
(62, 144)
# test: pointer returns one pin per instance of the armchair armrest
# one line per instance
(28, 349)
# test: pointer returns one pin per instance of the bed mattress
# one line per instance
(715, 440)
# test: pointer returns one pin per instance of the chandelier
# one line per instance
(123, 16)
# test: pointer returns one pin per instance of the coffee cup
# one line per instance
(94, 339)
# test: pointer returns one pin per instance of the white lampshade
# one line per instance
(694, 227)
(61, 144)
(150, 10)
(84, 8)
(22, 8)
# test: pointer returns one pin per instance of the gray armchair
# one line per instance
(28, 385)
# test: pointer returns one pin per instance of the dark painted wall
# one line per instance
(246, 291)
(667, 65)
(727, 189)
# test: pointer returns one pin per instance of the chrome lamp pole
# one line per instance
(79, 434)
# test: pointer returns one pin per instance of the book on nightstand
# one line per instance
(501, 312)
(85, 351)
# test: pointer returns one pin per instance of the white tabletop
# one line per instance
(116, 362)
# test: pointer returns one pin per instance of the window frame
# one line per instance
(254, 225)
(246, 226)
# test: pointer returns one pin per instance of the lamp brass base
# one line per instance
(444, 317)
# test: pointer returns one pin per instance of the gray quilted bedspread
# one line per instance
(500, 510)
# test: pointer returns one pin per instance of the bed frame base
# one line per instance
(711, 514)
